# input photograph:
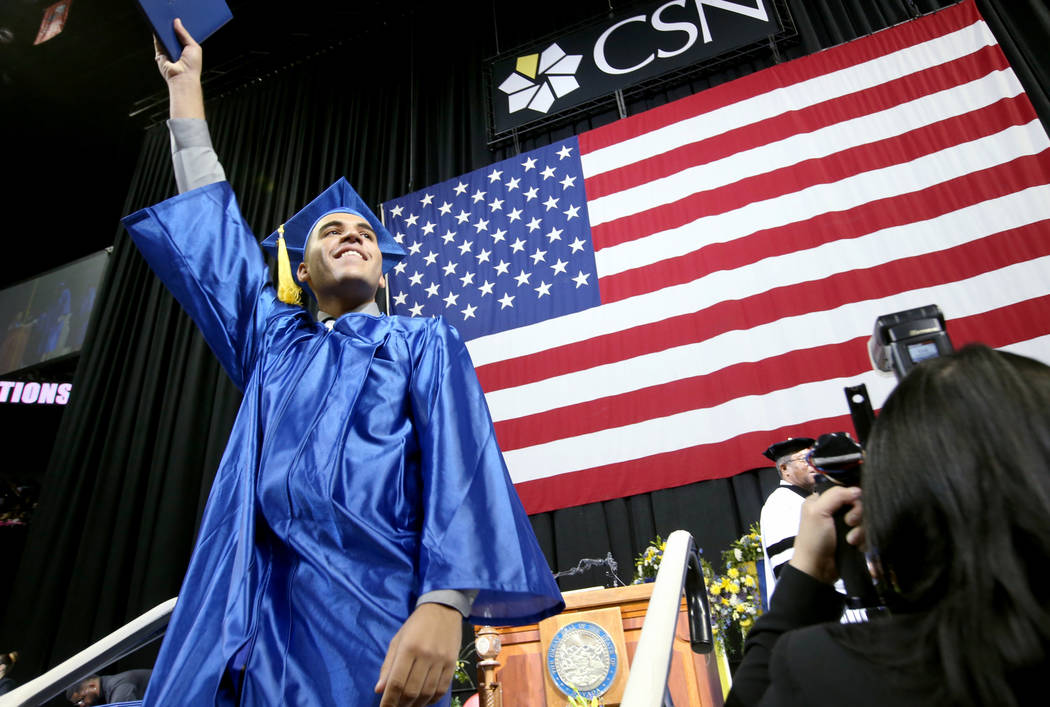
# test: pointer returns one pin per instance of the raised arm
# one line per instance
(193, 158)
(198, 243)
(185, 97)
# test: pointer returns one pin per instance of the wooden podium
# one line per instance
(523, 675)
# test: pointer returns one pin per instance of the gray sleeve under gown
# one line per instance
(361, 472)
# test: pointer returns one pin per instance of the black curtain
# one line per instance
(396, 108)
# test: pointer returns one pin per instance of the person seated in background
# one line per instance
(7, 661)
(780, 512)
(956, 512)
(106, 689)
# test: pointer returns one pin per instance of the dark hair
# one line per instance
(957, 506)
(77, 685)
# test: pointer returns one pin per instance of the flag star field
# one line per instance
(498, 248)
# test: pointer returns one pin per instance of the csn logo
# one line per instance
(540, 79)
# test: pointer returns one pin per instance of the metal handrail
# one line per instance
(127, 639)
(679, 567)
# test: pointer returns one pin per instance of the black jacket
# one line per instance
(124, 687)
(799, 654)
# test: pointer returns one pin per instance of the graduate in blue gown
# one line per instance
(362, 502)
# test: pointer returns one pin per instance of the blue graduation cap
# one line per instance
(288, 242)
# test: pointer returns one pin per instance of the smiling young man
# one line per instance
(342, 263)
(362, 508)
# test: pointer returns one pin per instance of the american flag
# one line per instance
(652, 303)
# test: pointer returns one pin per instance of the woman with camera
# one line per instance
(956, 516)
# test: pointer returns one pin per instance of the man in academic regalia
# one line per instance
(362, 507)
(782, 510)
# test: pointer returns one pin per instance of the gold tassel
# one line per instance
(287, 291)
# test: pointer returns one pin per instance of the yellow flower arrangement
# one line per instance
(647, 564)
(734, 595)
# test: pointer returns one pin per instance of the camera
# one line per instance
(903, 339)
(840, 460)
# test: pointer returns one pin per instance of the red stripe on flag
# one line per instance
(854, 105)
(866, 49)
(1001, 327)
(899, 149)
(937, 200)
(935, 268)
(684, 466)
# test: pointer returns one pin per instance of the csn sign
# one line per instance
(621, 52)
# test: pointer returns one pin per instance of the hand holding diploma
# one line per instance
(183, 76)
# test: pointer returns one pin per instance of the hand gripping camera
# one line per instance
(840, 460)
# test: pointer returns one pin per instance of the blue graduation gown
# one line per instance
(361, 472)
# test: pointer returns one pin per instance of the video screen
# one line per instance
(922, 350)
(46, 317)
